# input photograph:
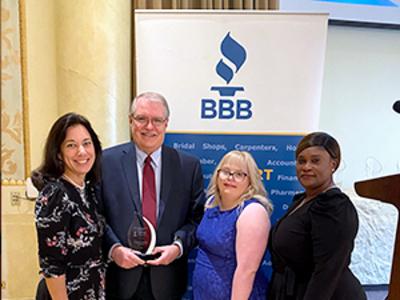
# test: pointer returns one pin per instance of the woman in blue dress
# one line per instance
(233, 233)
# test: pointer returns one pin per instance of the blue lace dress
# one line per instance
(216, 257)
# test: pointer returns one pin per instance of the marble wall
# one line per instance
(57, 56)
(373, 251)
(18, 254)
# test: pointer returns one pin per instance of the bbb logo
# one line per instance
(228, 106)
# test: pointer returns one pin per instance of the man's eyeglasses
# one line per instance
(144, 121)
(237, 176)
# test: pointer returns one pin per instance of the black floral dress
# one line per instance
(70, 230)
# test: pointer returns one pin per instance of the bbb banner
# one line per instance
(243, 80)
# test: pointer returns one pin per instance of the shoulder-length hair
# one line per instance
(255, 189)
(52, 166)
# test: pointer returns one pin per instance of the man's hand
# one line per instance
(126, 257)
(168, 254)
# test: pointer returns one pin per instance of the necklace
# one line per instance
(81, 187)
(308, 199)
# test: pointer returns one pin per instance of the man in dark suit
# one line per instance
(179, 198)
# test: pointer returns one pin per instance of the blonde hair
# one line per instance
(255, 189)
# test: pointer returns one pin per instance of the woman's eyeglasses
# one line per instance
(237, 176)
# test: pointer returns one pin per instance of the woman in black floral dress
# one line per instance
(68, 220)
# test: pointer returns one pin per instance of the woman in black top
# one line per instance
(68, 220)
(311, 244)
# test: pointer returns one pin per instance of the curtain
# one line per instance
(206, 4)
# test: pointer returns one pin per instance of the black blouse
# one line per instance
(311, 250)
(70, 230)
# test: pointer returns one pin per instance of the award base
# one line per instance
(146, 257)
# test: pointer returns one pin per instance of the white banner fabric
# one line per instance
(233, 71)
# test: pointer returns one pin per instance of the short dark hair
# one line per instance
(321, 139)
(52, 166)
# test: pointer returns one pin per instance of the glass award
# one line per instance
(142, 237)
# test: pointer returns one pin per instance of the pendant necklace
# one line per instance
(81, 187)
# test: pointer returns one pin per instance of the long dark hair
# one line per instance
(52, 166)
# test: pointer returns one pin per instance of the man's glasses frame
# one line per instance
(144, 121)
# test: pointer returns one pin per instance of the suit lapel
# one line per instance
(170, 166)
(129, 166)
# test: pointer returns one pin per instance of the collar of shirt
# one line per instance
(155, 157)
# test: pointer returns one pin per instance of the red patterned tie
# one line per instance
(149, 195)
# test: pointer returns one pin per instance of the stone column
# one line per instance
(93, 40)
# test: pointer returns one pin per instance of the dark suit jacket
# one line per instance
(180, 210)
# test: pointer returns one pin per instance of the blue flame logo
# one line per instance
(227, 107)
(235, 53)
